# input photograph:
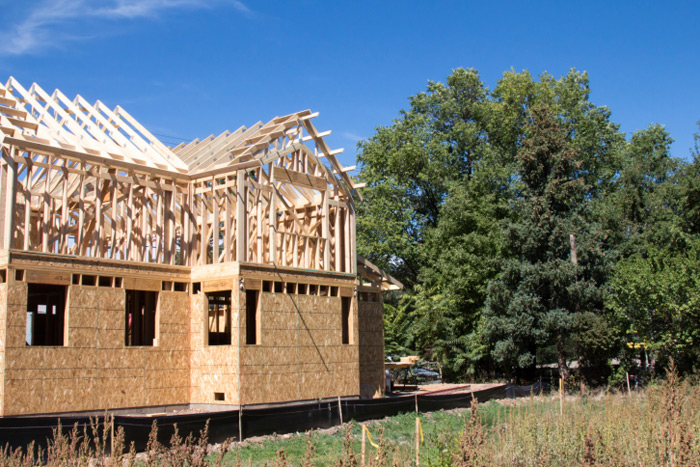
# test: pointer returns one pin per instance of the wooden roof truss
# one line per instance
(82, 179)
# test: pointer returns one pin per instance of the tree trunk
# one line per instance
(574, 261)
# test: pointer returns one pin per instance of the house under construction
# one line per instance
(223, 271)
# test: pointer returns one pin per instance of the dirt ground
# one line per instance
(441, 388)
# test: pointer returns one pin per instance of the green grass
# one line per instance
(398, 434)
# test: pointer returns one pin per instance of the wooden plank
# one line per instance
(272, 237)
(28, 207)
(252, 284)
(141, 283)
(215, 221)
(47, 277)
(9, 193)
(217, 285)
(337, 231)
(301, 179)
(241, 221)
(325, 233)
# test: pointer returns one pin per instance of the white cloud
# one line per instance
(42, 25)
(355, 138)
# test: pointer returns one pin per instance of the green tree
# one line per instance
(442, 179)
(410, 166)
(654, 293)
(548, 283)
(657, 298)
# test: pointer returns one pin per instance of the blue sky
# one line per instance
(189, 68)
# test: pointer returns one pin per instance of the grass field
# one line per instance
(659, 426)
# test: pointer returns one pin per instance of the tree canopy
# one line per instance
(528, 229)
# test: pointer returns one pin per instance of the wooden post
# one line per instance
(240, 422)
(272, 216)
(325, 231)
(362, 452)
(241, 218)
(417, 441)
(340, 411)
(10, 176)
(415, 400)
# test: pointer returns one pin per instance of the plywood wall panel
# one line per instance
(17, 294)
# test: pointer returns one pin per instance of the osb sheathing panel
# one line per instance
(371, 348)
(94, 370)
(3, 339)
(213, 368)
(301, 355)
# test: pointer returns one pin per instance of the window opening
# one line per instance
(88, 280)
(301, 290)
(252, 317)
(140, 326)
(267, 286)
(104, 281)
(291, 287)
(345, 302)
(45, 314)
(313, 289)
(219, 321)
(279, 287)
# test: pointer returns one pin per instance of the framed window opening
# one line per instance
(45, 314)
(346, 318)
(140, 328)
(219, 318)
(252, 317)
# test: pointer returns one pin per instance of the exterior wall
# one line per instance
(300, 354)
(371, 321)
(213, 369)
(94, 370)
(3, 319)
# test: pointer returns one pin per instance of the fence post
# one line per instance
(362, 456)
(417, 441)
(240, 423)
(415, 397)
(561, 396)
(340, 410)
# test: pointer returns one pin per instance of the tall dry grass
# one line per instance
(656, 427)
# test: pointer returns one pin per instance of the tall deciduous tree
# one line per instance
(410, 166)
